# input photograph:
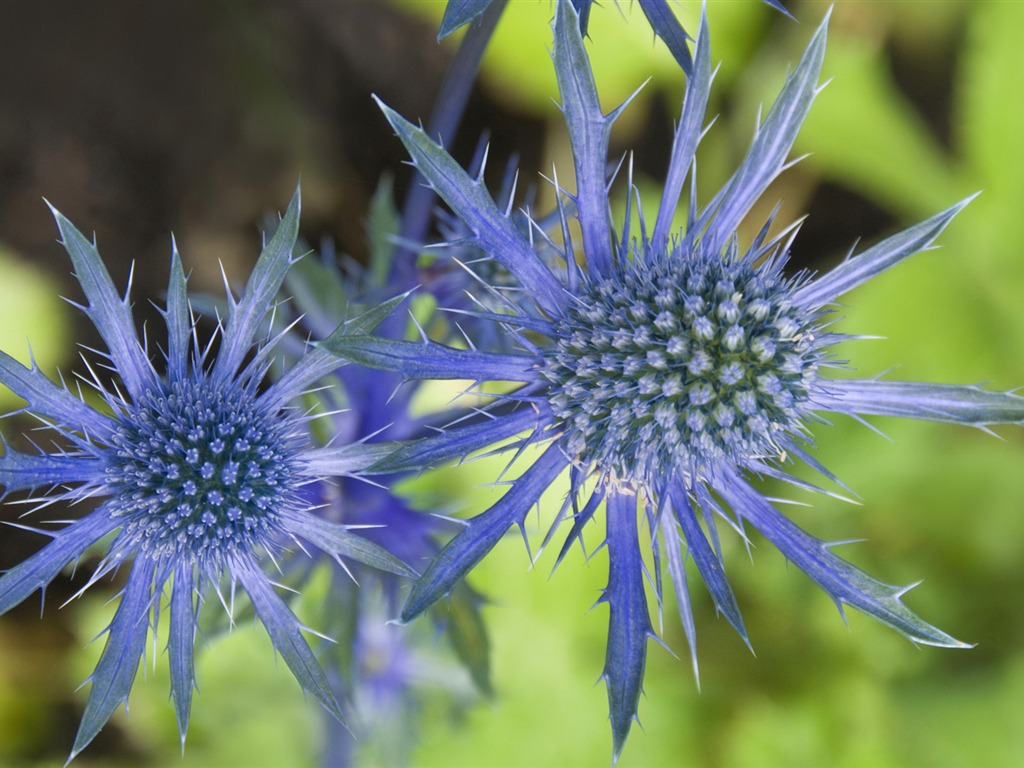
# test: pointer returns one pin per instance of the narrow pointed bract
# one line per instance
(495, 233)
(198, 472)
(470, 546)
(589, 133)
(629, 624)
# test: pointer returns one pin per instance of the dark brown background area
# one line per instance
(139, 118)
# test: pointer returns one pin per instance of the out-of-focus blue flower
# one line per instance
(200, 473)
(659, 14)
(666, 374)
(377, 672)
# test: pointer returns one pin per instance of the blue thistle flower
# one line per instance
(665, 375)
(200, 473)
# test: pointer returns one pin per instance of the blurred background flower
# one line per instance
(139, 119)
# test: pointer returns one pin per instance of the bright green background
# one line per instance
(937, 503)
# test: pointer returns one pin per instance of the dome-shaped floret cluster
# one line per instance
(201, 470)
(679, 363)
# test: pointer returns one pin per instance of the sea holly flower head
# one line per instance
(661, 369)
(676, 363)
(201, 472)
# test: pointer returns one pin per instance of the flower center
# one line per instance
(677, 364)
(201, 470)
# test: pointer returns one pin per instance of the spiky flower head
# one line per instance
(200, 472)
(667, 373)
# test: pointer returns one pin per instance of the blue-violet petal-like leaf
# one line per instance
(471, 544)
(629, 624)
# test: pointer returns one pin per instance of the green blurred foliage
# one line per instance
(30, 308)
